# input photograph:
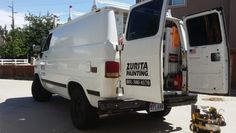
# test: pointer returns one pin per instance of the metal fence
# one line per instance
(14, 61)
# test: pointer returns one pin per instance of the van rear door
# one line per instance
(141, 60)
(208, 55)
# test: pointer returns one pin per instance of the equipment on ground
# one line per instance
(206, 119)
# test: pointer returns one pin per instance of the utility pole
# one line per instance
(94, 7)
(55, 21)
(70, 13)
(12, 15)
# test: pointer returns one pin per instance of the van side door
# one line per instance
(141, 60)
(208, 53)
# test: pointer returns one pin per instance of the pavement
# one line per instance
(19, 113)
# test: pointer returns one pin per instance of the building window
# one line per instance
(177, 2)
(125, 16)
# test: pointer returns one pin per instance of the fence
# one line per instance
(14, 61)
(16, 69)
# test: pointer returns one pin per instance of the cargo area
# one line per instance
(173, 59)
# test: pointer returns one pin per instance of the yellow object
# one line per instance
(207, 121)
(193, 116)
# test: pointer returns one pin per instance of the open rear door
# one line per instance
(141, 58)
(208, 55)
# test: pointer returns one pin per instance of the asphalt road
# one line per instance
(19, 113)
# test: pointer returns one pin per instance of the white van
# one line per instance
(160, 61)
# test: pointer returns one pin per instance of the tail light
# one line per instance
(178, 81)
(111, 69)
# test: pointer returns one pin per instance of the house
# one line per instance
(181, 8)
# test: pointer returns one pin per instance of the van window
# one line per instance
(144, 20)
(204, 30)
(47, 44)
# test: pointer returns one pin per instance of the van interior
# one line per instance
(172, 58)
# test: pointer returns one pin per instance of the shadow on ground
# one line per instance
(24, 115)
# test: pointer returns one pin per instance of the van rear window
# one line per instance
(204, 30)
(144, 20)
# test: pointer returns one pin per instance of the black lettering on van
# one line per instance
(137, 69)
(138, 82)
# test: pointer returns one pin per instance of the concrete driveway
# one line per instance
(19, 113)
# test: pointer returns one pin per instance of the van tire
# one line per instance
(160, 114)
(83, 115)
(39, 93)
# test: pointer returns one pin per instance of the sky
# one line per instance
(42, 7)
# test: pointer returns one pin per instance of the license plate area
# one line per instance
(154, 107)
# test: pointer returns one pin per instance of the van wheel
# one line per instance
(39, 93)
(83, 115)
(160, 114)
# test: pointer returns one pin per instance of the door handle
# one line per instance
(215, 57)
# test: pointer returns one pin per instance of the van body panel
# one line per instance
(208, 56)
(141, 59)
(78, 52)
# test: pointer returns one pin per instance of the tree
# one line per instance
(3, 39)
(37, 30)
(3, 33)
(18, 42)
(15, 44)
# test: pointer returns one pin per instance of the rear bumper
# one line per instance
(117, 106)
(179, 100)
